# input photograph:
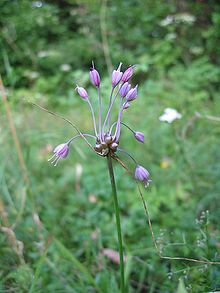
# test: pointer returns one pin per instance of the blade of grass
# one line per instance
(38, 270)
(14, 132)
(76, 263)
(128, 268)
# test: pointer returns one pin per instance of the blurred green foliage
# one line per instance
(59, 222)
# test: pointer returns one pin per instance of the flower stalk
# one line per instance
(118, 222)
(106, 143)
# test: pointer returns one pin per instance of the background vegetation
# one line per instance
(56, 223)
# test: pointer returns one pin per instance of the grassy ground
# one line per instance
(57, 223)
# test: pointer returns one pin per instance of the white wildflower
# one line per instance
(170, 115)
(166, 21)
(65, 67)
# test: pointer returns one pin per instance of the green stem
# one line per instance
(118, 224)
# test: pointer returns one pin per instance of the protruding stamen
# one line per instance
(57, 162)
(51, 158)
(54, 160)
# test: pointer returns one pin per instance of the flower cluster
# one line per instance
(107, 133)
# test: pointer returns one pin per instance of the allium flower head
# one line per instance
(107, 132)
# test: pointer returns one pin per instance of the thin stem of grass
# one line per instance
(77, 264)
(13, 132)
(104, 35)
(118, 223)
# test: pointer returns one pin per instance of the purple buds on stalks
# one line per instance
(127, 74)
(94, 76)
(132, 94)
(82, 92)
(142, 175)
(107, 138)
(116, 76)
(139, 136)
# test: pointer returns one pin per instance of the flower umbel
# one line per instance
(106, 132)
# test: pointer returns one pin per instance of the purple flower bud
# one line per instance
(127, 74)
(82, 92)
(94, 76)
(124, 89)
(139, 136)
(142, 175)
(116, 76)
(132, 94)
(126, 105)
(60, 152)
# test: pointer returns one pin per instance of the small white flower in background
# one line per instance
(185, 17)
(92, 198)
(65, 67)
(166, 21)
(170, 115)
(43, 54)
(79, 170)
(37, 4)
(178, 18)
(31, 74)
(171, 36)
